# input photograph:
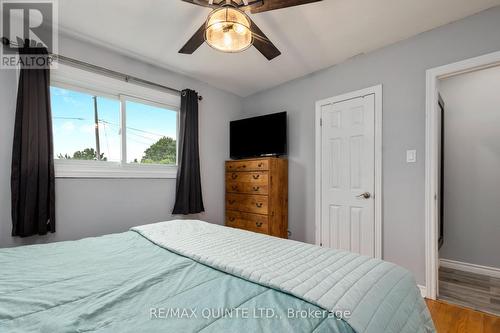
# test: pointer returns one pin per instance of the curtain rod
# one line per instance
(105, 71)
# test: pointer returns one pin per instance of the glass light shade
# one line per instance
(228, 30)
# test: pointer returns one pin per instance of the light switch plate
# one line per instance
(411, 156)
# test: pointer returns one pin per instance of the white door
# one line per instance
(348, 175)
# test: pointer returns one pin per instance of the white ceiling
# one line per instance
(310, 37)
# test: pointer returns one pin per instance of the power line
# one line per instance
(135, 129)
(131, 133)
(138, 130)
(114, 124)
(106, 137)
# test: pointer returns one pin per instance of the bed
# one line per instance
(192, 276)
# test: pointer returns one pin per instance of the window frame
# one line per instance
(71, 78)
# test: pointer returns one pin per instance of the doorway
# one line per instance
(470, 196)
(460, 150)
(348, 172)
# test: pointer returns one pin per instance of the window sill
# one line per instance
(95, 169)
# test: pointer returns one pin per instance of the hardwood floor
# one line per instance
(476, 291)
(450, 318)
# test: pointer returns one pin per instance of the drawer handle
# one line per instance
(242, 166)
(258, 224)
(261, 165)
(234, 187)
(256, 188)
(256, 176)
(259, 204)
(234, 176)
(231, 202)
(232, 219)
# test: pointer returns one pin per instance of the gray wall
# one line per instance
(91, 207)
(401, 69)
(472, 165)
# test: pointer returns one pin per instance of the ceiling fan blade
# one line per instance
(262, 43)
(204, 3)
(278, 4)
(195, 41)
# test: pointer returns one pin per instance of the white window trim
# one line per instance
(101, 169)
(67, 77)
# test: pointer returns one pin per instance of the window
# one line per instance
(85, 127)
(151, 134)
(106, 128)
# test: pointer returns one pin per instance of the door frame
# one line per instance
(377, 196)
(432, 136)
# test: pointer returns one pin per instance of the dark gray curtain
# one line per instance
(32, 177)
(188, 197)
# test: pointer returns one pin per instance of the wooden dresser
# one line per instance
(257, 195)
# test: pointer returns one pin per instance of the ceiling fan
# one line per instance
(229, 29)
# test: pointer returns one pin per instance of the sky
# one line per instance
(74, 129)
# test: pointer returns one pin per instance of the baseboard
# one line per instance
(423, 291)
(472, 268)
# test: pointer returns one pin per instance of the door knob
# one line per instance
(366, 195)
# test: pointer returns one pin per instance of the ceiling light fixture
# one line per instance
(228, 30)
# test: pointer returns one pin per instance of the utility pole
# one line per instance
(96, 121)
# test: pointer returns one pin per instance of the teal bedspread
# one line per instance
(125, 283)
(379, 296)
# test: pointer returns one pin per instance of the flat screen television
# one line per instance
(259, 136)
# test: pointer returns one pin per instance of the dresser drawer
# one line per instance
(255, 177)
(247, 221)
(236, 224)
(247, 203)
(247, 165)
(249, 188)
(256, 182)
